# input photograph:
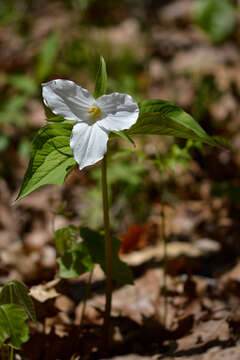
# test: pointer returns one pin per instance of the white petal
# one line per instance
(88, 143)
(66, 98)
(119, 111)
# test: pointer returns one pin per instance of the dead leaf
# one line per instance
(44, 292)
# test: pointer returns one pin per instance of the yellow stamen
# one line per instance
(94, 111)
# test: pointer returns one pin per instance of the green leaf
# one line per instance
(95, 243)
(159, 117)
(47, 57)
(75, 262)
(65, 238)
(56, 119)
(13, 326)
(4, 330)
(51, 158)
(75, 259)
(124, 136)
(101, 79)
(225, 142)
(18, 293)
(216, 17)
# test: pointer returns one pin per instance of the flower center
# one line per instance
(95, 111)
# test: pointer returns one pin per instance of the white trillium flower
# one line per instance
(94, 118)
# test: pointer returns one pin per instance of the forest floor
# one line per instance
(197, 315)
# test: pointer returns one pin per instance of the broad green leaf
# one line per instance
(75, 262)
(159, 117)
(18, 293)
(95, 243)
(51, 158)
(216, 17)
(13, 326)
(65, 238)
(47, 57)
(101, 79)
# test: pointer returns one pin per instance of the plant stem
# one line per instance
(165, 258)
(163, 238)
(108, 255)
(11, 301)
(86, 295)
(11, 353)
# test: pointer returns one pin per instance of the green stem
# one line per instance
(165, 258)
(108, 255)
(86, 295)
(164, 239)
(11, 353)
(11, 301)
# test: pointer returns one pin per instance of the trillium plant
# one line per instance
(79, 128)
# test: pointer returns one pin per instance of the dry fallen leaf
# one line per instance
(45, 292)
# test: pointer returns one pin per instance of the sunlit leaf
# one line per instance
(51, 158)
(159, 117)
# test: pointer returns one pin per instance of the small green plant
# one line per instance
(80, 257)
(167, 162)
(77, 134)
(16, 306)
